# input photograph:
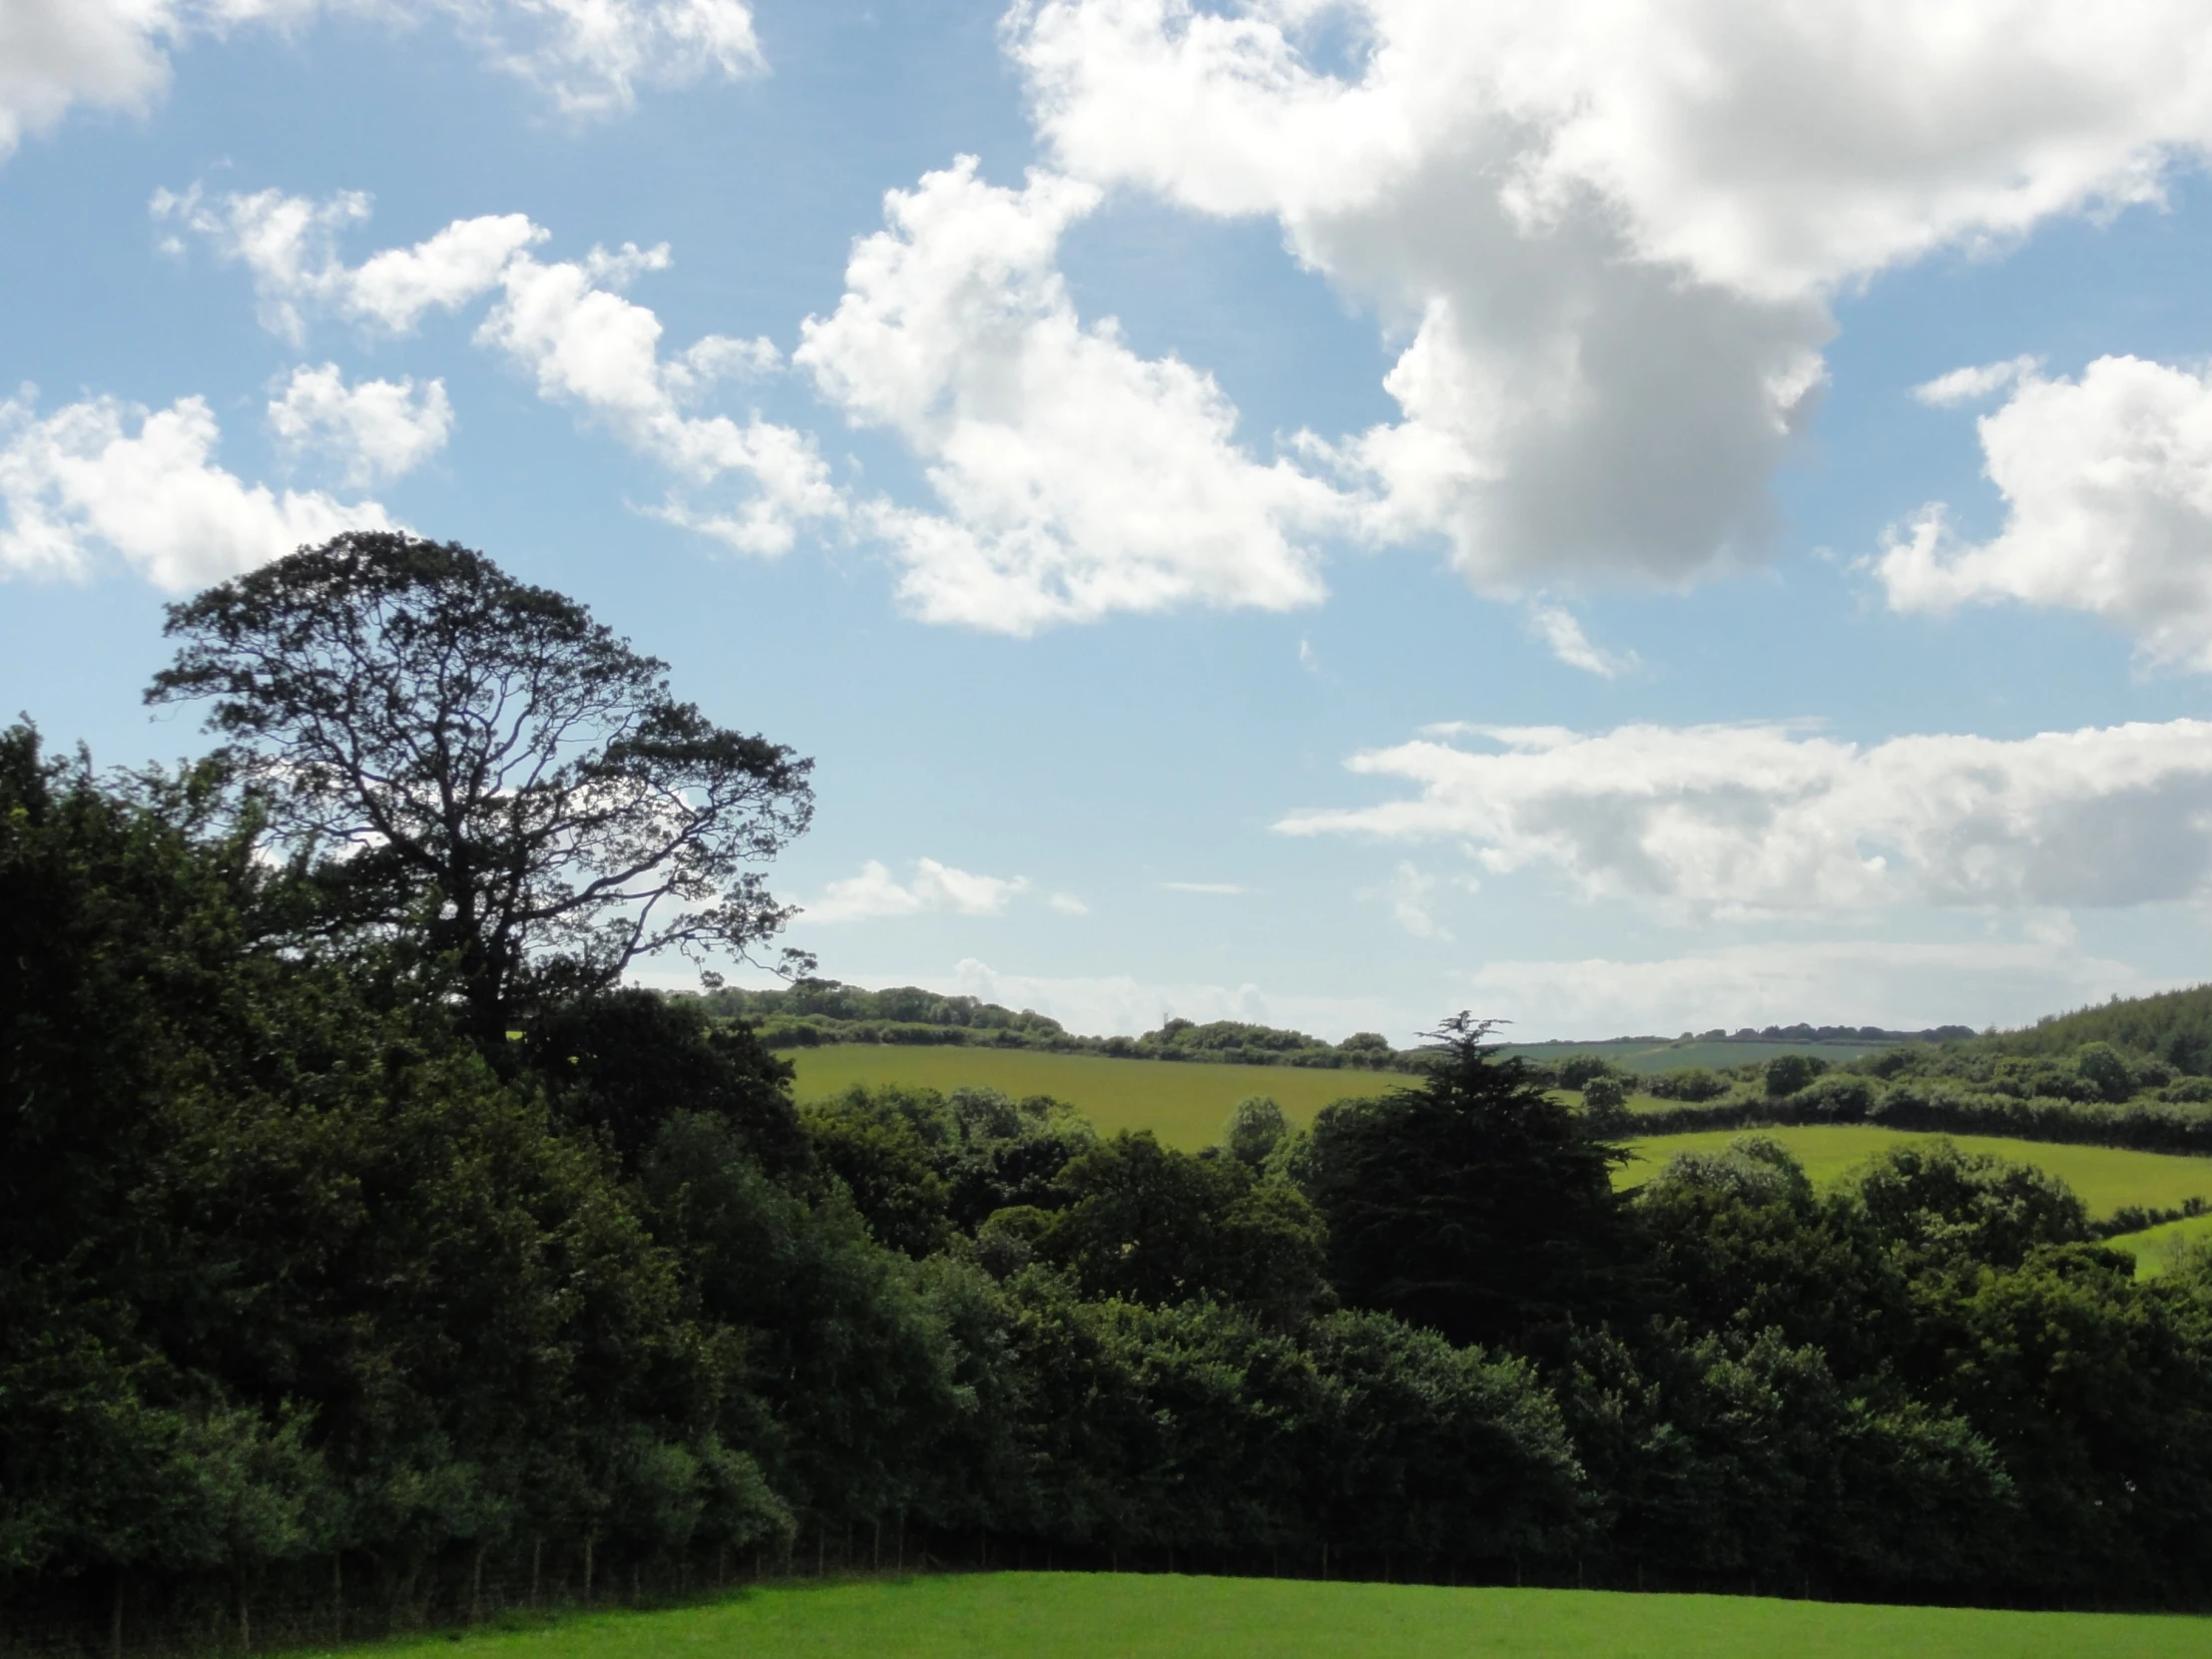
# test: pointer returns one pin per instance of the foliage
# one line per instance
(812, 1013)
(478, 766)
(1475, 1205)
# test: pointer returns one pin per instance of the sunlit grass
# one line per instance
(1131, 1616)
(2105, 1177)
(1185, 1105)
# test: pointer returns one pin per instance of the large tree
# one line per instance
(1477, 1205)
(475, 764)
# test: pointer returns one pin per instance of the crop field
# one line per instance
(2105, 1177)
(1652, 1057)
(1184, 1104)
(1132, 1616)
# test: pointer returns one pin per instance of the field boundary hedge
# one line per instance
(2134, 1126)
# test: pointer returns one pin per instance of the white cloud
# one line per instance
(1075, 478)
(82, 475)
(564, 323)
(875, 892)
(1068, 905)
(1895, 985)
(585, 344)
(1758, 821)
(589, 56)
(374, 429)
(1612, 232)
(55, 53)
(1971, 386)
(290, 247)
(1562, 633)
(2107, 484)
(1412, 897)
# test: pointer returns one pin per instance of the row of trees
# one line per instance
(812, 1012)
(348, 1252)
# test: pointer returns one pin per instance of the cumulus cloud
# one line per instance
(1766, 820)
(1563, 633)
(875, 892)
(565, 323)
(145, 485)
(375, 429)
(589, 56)
(290, 247)
(1076, 478)
(57, 53)
(1971, 385)
(1612, 232)
(1894, 984)
(586, 344)
(2107, 487)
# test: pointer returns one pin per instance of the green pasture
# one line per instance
(1132, 1616)
(1650, 1057)
(2157, 1248)
(1184, 1104)
(2105, 1177)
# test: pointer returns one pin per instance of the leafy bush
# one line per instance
(1788, 1073)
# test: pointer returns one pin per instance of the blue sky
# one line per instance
(1325, 511)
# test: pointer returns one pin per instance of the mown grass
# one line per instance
(2105, 1177)
(1186, 1105)
(1131, 1616)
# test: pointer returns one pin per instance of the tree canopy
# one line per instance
(473, 761)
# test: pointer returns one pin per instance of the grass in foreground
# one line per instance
(1186, 1105)
(2105, 1177)
(1128, 1616)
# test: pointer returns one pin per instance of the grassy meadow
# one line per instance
(2155, 1248)
(1132, 1616)
(2105, 1177)
(1185, 1104)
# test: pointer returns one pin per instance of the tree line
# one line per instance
(813, 1011)
(352, 1258)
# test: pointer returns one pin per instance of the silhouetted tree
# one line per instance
(474, 763)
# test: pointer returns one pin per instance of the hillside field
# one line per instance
(1184, 1104)
(2105, 1177)
(1143, 1616)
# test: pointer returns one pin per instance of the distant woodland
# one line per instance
(368, 1254)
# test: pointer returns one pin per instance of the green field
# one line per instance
(1184, 1104)
(1132, 1616)
(2155, 1248)
(2105, 1177)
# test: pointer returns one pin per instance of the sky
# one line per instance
(1621, 519)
